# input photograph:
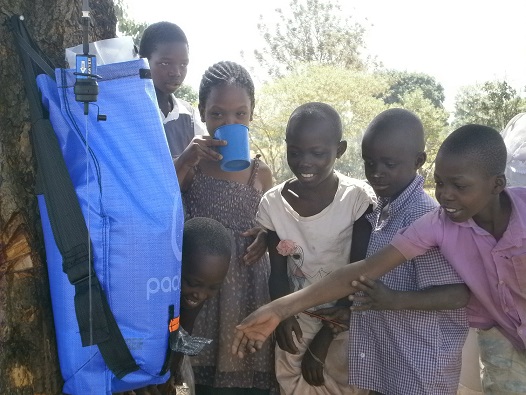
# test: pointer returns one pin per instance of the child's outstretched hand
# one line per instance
(284, 335)
(259, 245)
(254, 330)
(377, 295)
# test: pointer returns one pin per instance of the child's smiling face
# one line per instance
(463, 188)
(201, 278)
(312, 150)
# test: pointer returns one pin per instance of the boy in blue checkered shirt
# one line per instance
(406, 336)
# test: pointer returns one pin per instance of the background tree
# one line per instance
(355, 95)
(493, 103)
(403, 82)
(126, 24)
(312, 31)
(28, 357)
(187, 93)
(435, 124)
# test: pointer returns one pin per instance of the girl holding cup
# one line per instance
(226, 97)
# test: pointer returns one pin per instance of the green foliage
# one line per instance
(493, 104)
(403, 82)
(353, 94)
(126, 25)
(187, 93)
(313, 31)
(435, 126)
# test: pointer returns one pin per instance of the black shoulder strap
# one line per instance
(96, 322)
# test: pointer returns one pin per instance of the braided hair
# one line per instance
(225, 73)
(157, 33)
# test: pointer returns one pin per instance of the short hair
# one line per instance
(482, 144)
(205, 236)
(225, 73)
(399, 120)
(158, 33)
(312, 112)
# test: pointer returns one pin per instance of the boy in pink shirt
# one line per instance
(480, 227)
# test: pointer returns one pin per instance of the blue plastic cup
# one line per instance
(236, 154)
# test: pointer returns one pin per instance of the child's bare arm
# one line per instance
(278, 287)
(380, 297)
(201, 147)
(258, 247)
(361, 234)
(313, 361)
(256, 328)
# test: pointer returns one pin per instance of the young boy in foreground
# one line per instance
(411, 305)
(480, 228)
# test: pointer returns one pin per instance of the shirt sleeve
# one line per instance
(364, 197)
(263, 215)
(433, 269)
(419, 237)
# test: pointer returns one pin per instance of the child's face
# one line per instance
(201, 279)
(462, 188)
(390, 164)
(226, 104)
(312, 151)
(168, 65)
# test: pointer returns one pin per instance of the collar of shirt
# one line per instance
(407, 195)
(172, 115)
(516, 231)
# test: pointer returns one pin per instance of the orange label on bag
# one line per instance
(174, 324)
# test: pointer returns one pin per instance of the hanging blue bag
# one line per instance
(125, 181)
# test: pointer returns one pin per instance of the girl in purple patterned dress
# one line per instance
(226, 96)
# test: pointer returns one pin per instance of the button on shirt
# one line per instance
(495, 271)
(407, 352)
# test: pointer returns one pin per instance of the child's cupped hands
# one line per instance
(254, 330)
(377, 296)
(284, 335)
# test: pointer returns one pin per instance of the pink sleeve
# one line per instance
(419, 237)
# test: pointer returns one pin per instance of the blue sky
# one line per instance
(458, 42)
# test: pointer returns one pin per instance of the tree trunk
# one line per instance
(28, 355)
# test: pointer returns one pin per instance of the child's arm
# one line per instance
(255, 328)
(278, 285)
(201, 147)
(258, 247)
(313, 360)
(312, 364)
(360, 237)
(380, 297)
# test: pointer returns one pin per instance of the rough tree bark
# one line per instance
(28, 357)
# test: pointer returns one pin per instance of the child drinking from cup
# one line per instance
(311, 220)
(226, 96)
